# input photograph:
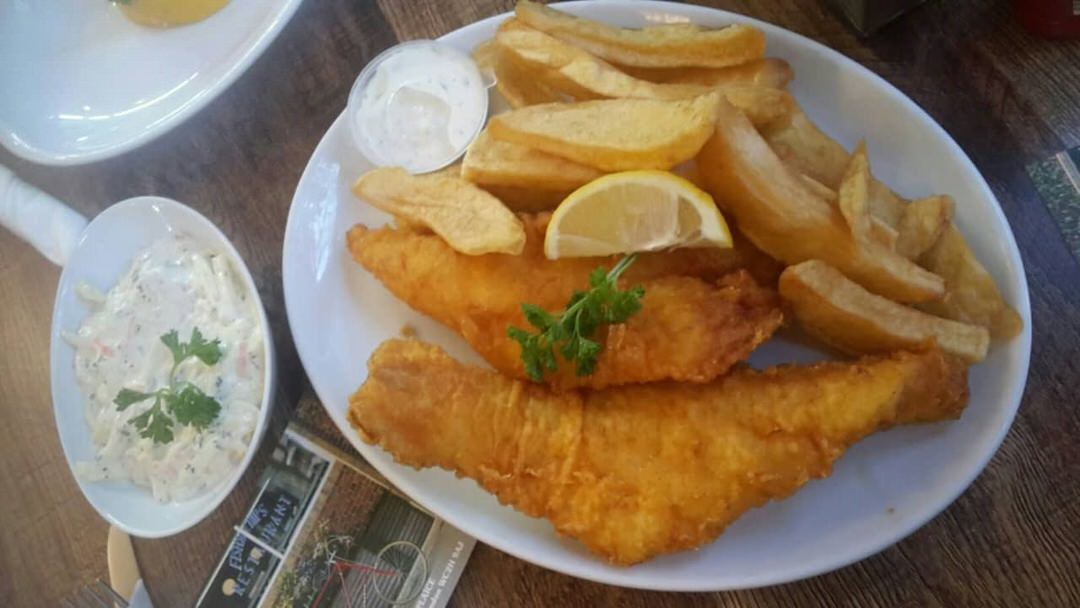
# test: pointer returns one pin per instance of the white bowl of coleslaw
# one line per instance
(161, 366)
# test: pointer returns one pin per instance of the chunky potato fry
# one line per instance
(517, 86)
(486, 54)
(467, 218)
(614, 134)
(879, 230)
(808, 150)
(769, 73)
(570, 70)
(819, 189)
(922, 224)
(780, 215)
(679, 45)
(763, 106)
(971, 295)
(526, 199)
(490, 161)
(575, 72)
(804, 147)
(842, 314)
(852, 196)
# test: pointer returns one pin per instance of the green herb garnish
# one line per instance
(569, 332)
(182, 403)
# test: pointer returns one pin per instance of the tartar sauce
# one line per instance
(417, 106)
(172, 285)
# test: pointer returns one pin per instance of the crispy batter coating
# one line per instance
(688, 329)
(638, 471)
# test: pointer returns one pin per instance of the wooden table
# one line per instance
(1012, 539)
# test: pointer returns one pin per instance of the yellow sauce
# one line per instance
(169, 13)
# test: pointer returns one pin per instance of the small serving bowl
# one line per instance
(356, 94)
(103, 254)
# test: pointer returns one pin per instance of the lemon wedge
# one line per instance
(634, 211)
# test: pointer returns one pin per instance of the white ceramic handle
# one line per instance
(49, 225)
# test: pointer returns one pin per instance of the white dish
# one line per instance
(82, 83)
(882, 490)
(103, 254)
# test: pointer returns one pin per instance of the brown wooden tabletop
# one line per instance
(1009, 99)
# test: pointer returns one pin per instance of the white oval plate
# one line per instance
(103, 254)
(882, 490)
(82, 83)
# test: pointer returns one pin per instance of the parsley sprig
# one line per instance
(570, 331)
(181, 402)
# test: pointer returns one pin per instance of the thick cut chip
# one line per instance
(803, 146)
(770, 73)
(659, 46)
(762, 105)
(517, 85)
(614, 134)
(469, 219)
(575, 72)
(783, 217)
(854, 192)
(570, 70)
(971, 295)
(486, 54)
(922, 224)
(842, 314)
(527, 199)
(490, 161)
(808, 150)
(879, 230)
(819, 189)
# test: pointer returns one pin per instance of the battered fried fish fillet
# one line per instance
(688, 329)
(637, 471)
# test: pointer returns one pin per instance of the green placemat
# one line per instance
(1058, 182)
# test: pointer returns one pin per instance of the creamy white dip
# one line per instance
(418, 106)
(172, 285)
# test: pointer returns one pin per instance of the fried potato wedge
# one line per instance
(810, 151)
(804, 147)
(486, 54)
(854, 191)
(879, 230)
(839, 312)
(523, 199)
(570, 70)
(783, 217)
(575, 72)
(516, 84)
(490, 161)
(922, 224)
(769, 73)
(678, 45)
(819, 189)
(971, 295)
(469, 219)
(614, 134)
(762, 105)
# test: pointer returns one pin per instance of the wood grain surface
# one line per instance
(1013, 539)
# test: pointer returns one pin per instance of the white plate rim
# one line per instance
(186, 110)
(1022, 303)
(56, 342)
